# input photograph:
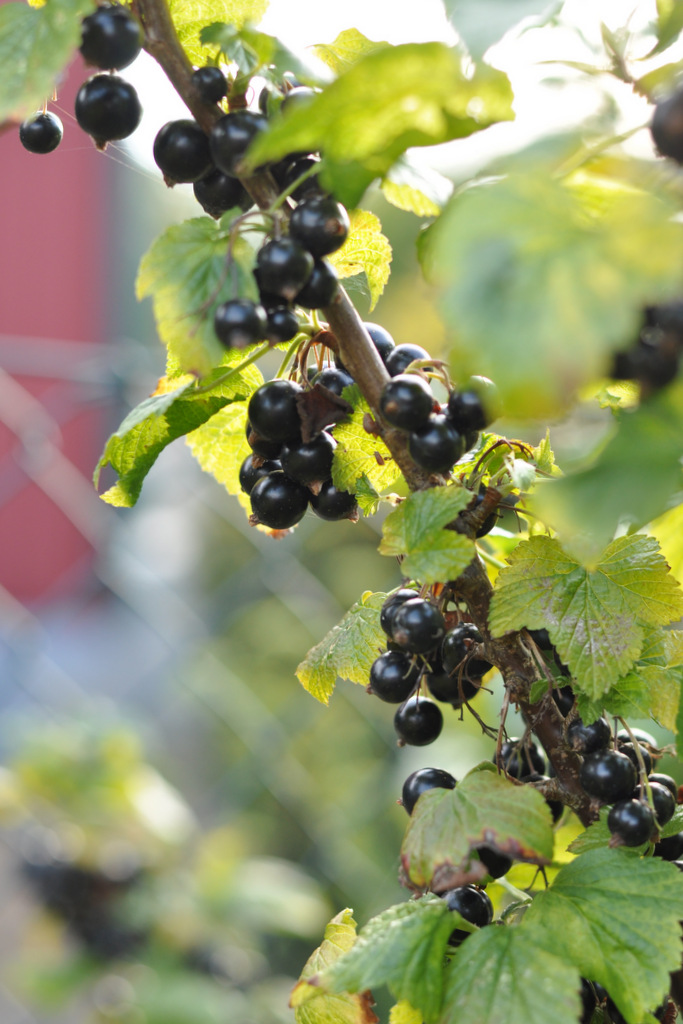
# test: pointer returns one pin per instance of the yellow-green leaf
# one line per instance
(220, 447)
(360, 455)
(191, 16)
(415, 530)
(349, 46)
(365, 251)
(404, 1013)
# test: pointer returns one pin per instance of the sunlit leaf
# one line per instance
(346, 50)
(415, 530)
(365, 251)
(359, 455)
(191, 16)
(480, 23)
(420, 190)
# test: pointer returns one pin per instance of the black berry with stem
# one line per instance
(217, 193)
(665, 780)
(391, 606)
(321, 287)
(260, 445)
(279, 502)
(332, 504)
(664, 803)
(418, 722)
(41, 132)
(452, 689)
(466, 412)
(240, 322)
(283, 267)
(521, 759)
(586, 739)
(670, 848)
(394, 676)
(321, 225)
(231, 136)
(667, 126)
(608, 775)
(273, 411)
(401, 356)
(253, 469)
(422, 780)
(437, 446)
(309, 187)
(406, 402)
(283, 325)
(111, 38)
(497, 864)
(456, 648)
(334, 379)
(418, 626)
(473, 905)
(211, 83)
(181, 151)
(631, 822)
(107, 108)
(309, 462)
(632, 753)
(639, 735)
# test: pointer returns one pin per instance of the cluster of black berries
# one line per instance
(107, 107)
(437, 437)
(654, 359)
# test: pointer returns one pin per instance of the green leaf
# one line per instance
(255, 52)
(346, 50)
(175, 409)
(556, 273)
(347, 651)
(367, 497)
(191, 16)
(404, 1013)
(365, 251)
(616, 918)
(481, 23)
(414, 188)
(418, 94)
(668, 529)
(447, 824)
(668, 25)
(402, 948)
(185, 272)
(311, 1004)
(504, 976)
(360, 455)
(220, 447)
(595, 617)
(36, 43)
(416, 530)
(632, 480)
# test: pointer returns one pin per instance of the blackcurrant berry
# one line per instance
(250, 474)
(218, 192)
(391, 606)
(108, 108)
(240, 322)
(632, 754)
(273, 411)
(639, 735)
(309, 187)
(670, 848)
(309, 462)
(283, 324)
(181, 151)
(455, 649)
(211, 83)
(278, 502)
(111, 38)
(381, 339)
(41, 132)
(473, 905)
(406, 402)
(334, 379)
(497, 864)
(667, 126)
(393, 676)
(586, 739)
(401, 356)
(320, 224)
(665, 780)
(564, 698)
(260, 445)
(321, 287)
(664, 803)
(284, 267)
(450, 689)
(608, 775)
(418, 722)
(631, 821)
(422, 780)
(332, 504)
(298, 97)
(231, 136)
(418, 626)
(437, 446)
(521, 759)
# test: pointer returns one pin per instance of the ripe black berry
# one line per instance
(452, 689)
(283, 267)
(231, 137)
(283, 324)
(521, 760)
(665, 780)
(309, 462)
(564, 698)
(631, 821)
(632, 754)
(292, 171)
(422, 780)
(473, 905)
(418, 626)
(260, 446)
(240, 322)
(406, 402)
(466, 411)
(608, 775)
(497, 864)
(391, 606)
(211, 83)
(273, 411)
(418, 722)
(381, 339)
(393, 676)
(41, 132)
(181, 151)
(218, 192)
(334, 379)
(639, 735)
(437, 446)
(278, 502)
(667, 126)
(108, 108)
(298, 97)
(320, 288)
(586, 739)
(321, 225)
(664, 803)
(250, 474)
(455, 649)
(401, 356)
(332, 504)
(110, 37)
(670, 848)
